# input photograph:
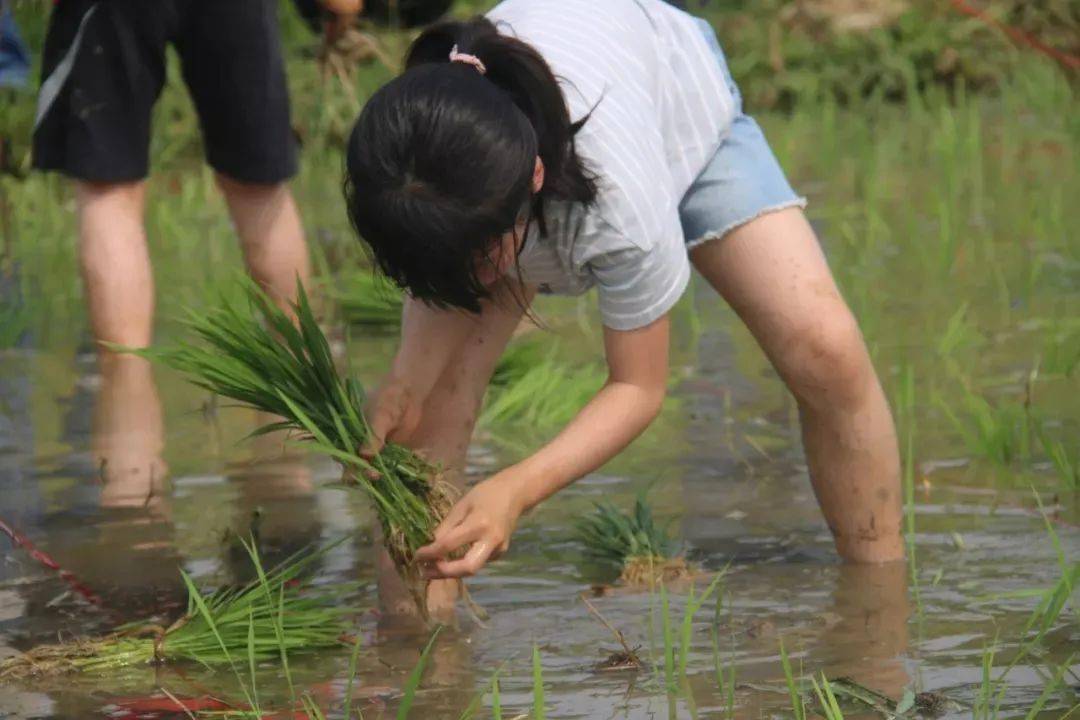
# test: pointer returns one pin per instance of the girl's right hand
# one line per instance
(393, 413)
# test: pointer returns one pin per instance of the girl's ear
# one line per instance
(538, 175)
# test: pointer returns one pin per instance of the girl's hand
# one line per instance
(393, 413)
(484, 519)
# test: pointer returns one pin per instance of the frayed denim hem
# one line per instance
(799, 202)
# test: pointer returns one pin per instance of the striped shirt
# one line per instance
(660, 108)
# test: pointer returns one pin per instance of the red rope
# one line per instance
(1018, 36)
(21, 541)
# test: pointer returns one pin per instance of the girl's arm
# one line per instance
(429, 338)
(440, 348)
(624, 407)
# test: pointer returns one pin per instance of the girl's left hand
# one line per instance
(484, 519)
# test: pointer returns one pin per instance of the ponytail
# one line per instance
(439, 166)
(517, 69)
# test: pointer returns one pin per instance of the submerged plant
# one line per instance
(634, 544)
(265, 619)
(256, 354)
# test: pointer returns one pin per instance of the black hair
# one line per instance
(441, 160)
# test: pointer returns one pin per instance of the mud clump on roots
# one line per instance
(648, 571)
(440, 497)
(621, 660)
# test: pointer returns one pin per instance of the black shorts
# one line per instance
(104, 67)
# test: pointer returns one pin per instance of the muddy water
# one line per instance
(125, 476)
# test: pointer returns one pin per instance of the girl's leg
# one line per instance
(447, 424)
(772, 272)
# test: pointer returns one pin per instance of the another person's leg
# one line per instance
(115, 261)
(103, 66)
(268, 224)
(773, 273)
(233, 65)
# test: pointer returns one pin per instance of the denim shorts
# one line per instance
(743, 180)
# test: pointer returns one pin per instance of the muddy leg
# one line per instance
(773, 273)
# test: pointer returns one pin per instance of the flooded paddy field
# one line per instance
(951, 224)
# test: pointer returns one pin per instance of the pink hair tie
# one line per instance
(468, 59)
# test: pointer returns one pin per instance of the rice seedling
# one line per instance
(1065, 463)
(1052, 686)
(519, 358)
(798, 707)
(1061, 354)
(725, 674)
(368, 301)
(257, 355)
(1000, 432)
(539, 709)
(676, 650)
(669, 641)
(906, 409)
(408, 696)
(693, 605)
(991, 690)
(266, 618)
(352, 678)
(642, 551)
(478, 700)
(540, 394)
(830, 708)
(1057, 597)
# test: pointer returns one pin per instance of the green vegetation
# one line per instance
(256, 355)
(633, 544)
(537, 389)
(13, 323)
(787, 54)
(369, 302)
(939, 162)
(264, 620)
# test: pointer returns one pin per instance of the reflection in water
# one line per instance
(120, 539)
(129, 436)
(870, 636)
(276, 506)
(115, 531)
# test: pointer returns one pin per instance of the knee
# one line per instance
(827, 365)
(90, 193)
(234, 189)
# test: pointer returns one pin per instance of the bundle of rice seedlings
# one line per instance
(369, 302)
(633, 544)
(256, 354)
(267, 618)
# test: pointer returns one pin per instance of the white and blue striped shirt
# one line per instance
(660, 108)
